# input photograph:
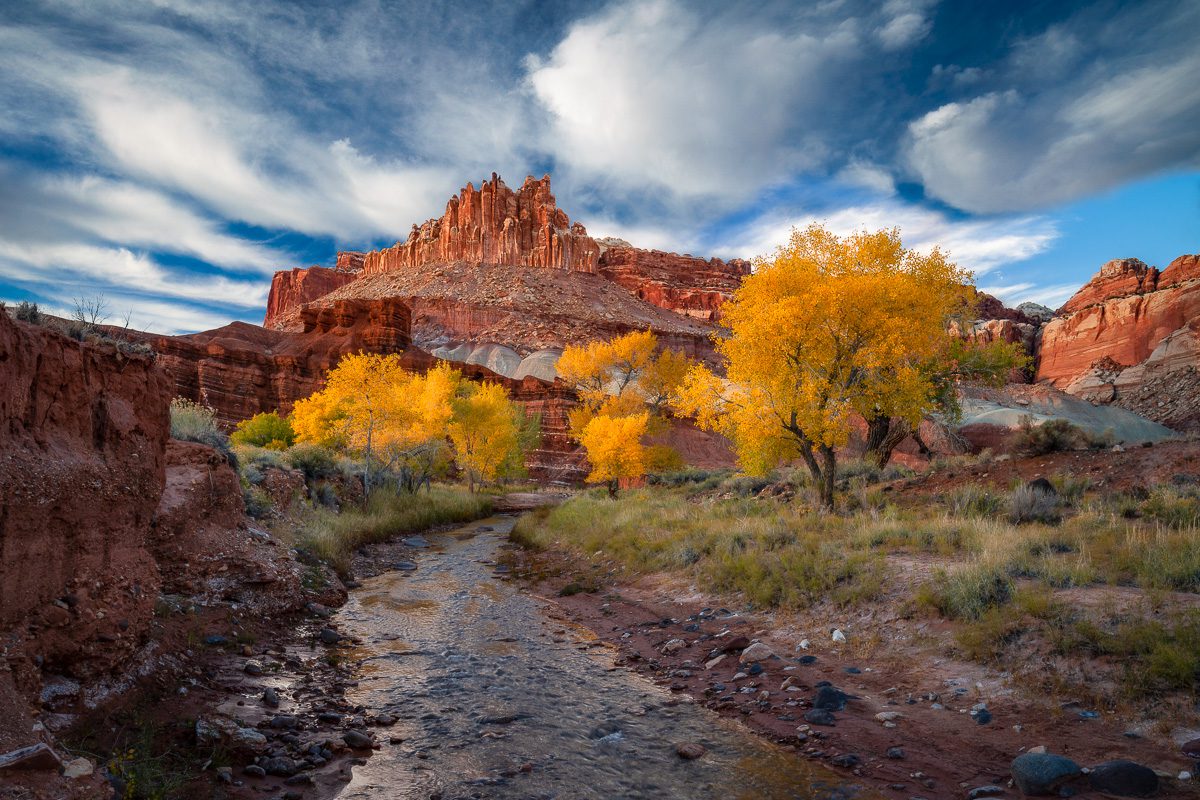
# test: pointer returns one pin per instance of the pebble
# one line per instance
(673, 646)
(847, 761)
(895, 753)
(78, 768)
(990, 790)
(255, 771)
(830, 698)
(838, 636)
(689, 750)
(270, 697)
(253, 667)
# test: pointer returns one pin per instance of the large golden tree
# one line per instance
(828, 328)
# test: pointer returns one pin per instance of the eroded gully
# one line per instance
(496, 699)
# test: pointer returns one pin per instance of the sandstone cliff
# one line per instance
(495, 225)
(291, 289)
(1131, 336)
(685, 284)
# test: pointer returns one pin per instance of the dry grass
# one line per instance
(333, 537)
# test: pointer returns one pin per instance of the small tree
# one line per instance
(828, 328)
(355, 407)
(267, 429)
(625, 377)
(615, 450)
(91, 311)
(486, 431)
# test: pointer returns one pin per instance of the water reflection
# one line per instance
(496, 701)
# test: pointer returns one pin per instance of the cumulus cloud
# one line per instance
(650, 94)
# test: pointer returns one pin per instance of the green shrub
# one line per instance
(968, 592)
(1032, 504)
(195, 422)
(971, 500)
(1052, 436)
(313, 460)
(28, 312)
(267, 430)
(256, 501)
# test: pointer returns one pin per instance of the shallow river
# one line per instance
(498, 700)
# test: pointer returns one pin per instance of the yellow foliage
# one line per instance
(829, 327)
(486, 430)
(614, 447)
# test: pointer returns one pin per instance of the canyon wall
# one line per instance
(241, 369)
(681, 283)
(1131, 336)
(290, 289)
(495, 225)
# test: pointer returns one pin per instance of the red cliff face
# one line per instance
(681, 283)
(241, 370)
(82, 435)
(495, 225)
(1131, 335)
(291, 289)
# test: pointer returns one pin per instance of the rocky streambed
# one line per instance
(493, 697)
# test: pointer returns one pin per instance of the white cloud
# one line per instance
(1063, 128)
(80, 266)
(1017, 293)
(977, 244)
(648, 94)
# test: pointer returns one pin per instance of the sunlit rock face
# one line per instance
(495, 225)
(1131, 336)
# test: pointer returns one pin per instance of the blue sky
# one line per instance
(173, 153)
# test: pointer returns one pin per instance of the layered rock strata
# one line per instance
(681, 283)
(1131, 329)
(291, 289)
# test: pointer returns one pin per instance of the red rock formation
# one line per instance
(1129, 326)
(82, 433)
(290, 289)
(495, 225)
(241, 369)
(681, 283)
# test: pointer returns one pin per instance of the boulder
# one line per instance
(1042, 774)
(1124, 778)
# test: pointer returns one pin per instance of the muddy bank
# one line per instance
(915, 724)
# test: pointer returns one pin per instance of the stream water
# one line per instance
(496, 699)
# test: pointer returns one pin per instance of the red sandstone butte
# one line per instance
(681, 283)
(292, 288)
(495, 225)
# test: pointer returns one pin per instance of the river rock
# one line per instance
(757, 652)
(78, 768)
(271, 697)
(830, 698)
(281, 766)
(358, 740)
(689, 750)
(991, 790)
(673, 646)
(735, 644)
(329, 636)
(1124, 778)
(819, 716)
(1041, 774)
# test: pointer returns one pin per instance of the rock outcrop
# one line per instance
(681, 283)
(241, 369)
(1131, 336)
(291, 289)
(82, 435)
(495, 225)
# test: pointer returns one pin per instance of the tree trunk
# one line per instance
(612, 488)
(829, 473)
(884, 435)
(367, 459)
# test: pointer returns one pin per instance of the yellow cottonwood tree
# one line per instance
(827, 328)
(623, 377)
(486, 430)
(614, 448)
(354, 407)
